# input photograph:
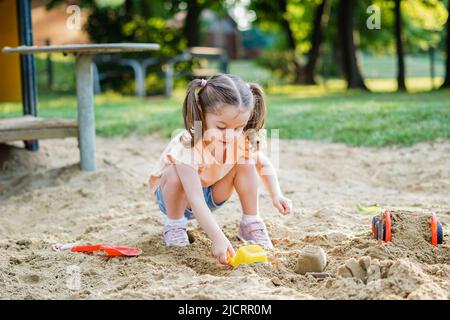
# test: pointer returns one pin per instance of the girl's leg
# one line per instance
(173, 193)
(175, 226)
(246, 185)
(243, 178)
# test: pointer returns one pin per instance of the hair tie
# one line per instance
(203, 83)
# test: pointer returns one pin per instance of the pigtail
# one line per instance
(192, 110)
(258, 117)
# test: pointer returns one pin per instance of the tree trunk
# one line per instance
(192, 23)
(446, 83)
(291, 41)
(129, 7)
(399, 45)
(320, 20)
(349, 59)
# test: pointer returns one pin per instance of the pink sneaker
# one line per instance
(255, 232)
(175, 234)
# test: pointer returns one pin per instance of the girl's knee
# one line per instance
(170, 178)
(246, 169)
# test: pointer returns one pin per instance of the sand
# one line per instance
(45, 198)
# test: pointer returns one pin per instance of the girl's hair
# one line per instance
(220, 90)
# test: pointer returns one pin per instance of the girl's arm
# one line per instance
(270, 180)
(192, 186)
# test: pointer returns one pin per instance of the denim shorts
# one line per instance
(207, 194)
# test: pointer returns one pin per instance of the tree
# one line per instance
(194, 9)
(399, 46)
(276, 14)
(320, 20)
(446, 83)
(291, 39)
(136, 9)
(191, 29)
(345, 32)
(303, 32)
(141, 21)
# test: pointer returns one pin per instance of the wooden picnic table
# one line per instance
(85, 94)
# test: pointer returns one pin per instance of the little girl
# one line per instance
(218, 152)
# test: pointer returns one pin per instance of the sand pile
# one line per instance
(406, 267)
(45, 199)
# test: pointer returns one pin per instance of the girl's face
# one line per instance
(227, 125)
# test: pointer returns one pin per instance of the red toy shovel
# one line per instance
(111, 251)
(115, 251)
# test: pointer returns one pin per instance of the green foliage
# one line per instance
(377, 41)
(139, 21)
(300, 15)
(280, 62)
(142, 22)
(423, 22)
(155, 30)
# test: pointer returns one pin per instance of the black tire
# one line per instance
(376, 222)
(440, 233)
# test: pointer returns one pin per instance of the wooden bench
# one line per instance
(84, 54)
(32, 128)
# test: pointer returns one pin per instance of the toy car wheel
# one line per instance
(378, 229)
(375, 220)
(440, 233)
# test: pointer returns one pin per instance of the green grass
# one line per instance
(327, 112)
(360, 118)
(335, 115)
(385, 66)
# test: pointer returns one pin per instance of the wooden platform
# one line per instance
(32, 128)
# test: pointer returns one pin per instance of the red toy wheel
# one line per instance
(388, 225)
(434, 230)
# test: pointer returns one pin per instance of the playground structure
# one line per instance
(203, 56)
(30, 128)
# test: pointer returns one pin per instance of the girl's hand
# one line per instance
(283, 204)
(221, 249)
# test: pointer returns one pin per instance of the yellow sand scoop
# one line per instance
(252, 253)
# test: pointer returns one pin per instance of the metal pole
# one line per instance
(49, 67)
(86, 116)
(27, 71)
(139, 75)
(97, 86)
